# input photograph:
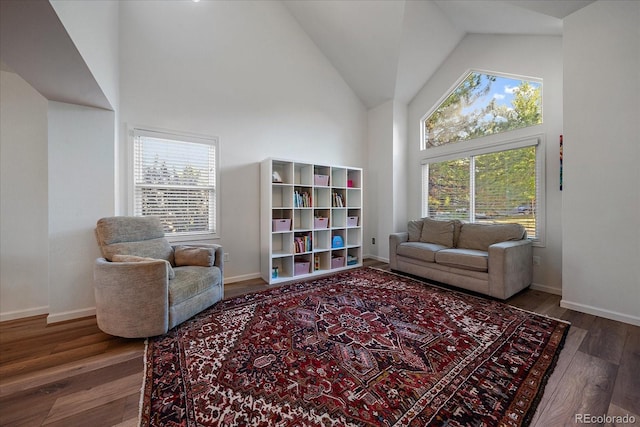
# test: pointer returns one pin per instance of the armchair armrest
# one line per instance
(510, 267)
(132, 298)
(394, 240)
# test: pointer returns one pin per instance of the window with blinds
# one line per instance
(490, 186)
(174, 178)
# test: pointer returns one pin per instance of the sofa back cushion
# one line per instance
(438, 232)
(415, 230)
(128, 235)
(481, 236)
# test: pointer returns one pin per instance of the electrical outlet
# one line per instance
(373, 240)
(226, 257)
(536, 260)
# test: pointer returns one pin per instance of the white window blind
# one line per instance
(174, 178)
(496, 186)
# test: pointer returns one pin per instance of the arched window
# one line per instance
(473, 168)
(483, 104)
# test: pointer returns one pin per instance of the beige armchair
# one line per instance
(144, 286)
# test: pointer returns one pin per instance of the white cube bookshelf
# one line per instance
(322, 202)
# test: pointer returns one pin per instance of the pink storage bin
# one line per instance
(352, 221)
(300, 267)
(283, 224)
(320, 222)
(321, 180)
(337, 262)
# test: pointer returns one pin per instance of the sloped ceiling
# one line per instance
(389, 49)
(384, 49)
(53, 65)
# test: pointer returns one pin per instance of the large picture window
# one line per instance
(175, 178)
(499, 184)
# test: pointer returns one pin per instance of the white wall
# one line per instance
(601, 196)
(247, 73)
(81, 190)
(534, 56)
(23, 194)
(386, 176)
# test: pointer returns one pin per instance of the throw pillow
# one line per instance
(195, 256)
(133, 258)
(415, 230)
(438, 232)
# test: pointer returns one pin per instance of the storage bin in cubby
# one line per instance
(352, 221)
(320, 222)
(301, 267)
(321, 180)
(283, 224)
(337, 262)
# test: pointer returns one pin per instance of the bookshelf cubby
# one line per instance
(320, 202)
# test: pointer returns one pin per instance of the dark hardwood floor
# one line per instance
(72, 374)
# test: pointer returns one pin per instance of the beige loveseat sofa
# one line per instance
(144, 286)
(492, 259)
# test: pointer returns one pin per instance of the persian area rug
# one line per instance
(361, 348)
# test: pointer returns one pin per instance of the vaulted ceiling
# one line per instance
(389, 49)
(384, 49)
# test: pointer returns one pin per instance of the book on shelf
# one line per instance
(301, 199)
(337, 200)
(302, 244)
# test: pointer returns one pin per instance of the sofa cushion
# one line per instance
(415, 230)
(481, 236)
(419, 250)
(133, 258)
(467, 259)
(195, 256)
(191, 281)
(438, 232)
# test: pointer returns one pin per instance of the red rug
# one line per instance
(361, 348)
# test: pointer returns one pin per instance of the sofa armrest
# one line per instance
(394, 240)
(510, 267)
(219, 261)
(132, 298)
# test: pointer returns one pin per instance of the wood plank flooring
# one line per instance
(72, 374)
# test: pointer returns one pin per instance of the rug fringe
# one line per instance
(144, 381)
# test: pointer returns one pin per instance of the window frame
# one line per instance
(178, 136)
(492, 144)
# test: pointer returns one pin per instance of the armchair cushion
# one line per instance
(191, 281)
(133, 258)
(194, 256)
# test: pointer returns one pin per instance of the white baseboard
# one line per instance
(242, 277)
(21, 314)
(601, 312)
(71, 315)
(376, 257)
(546, 288)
